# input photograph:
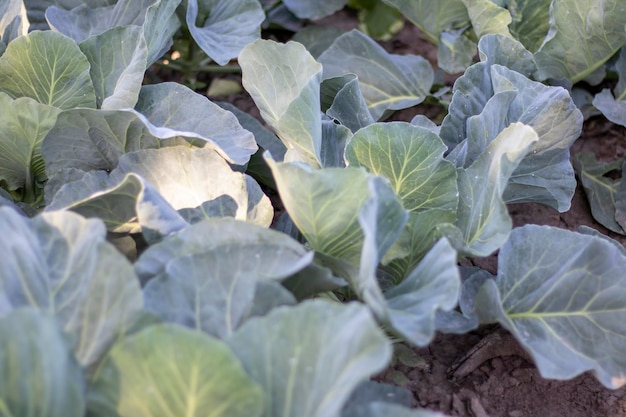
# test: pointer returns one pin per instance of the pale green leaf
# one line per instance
(583, 35)
(387, 81)
(117, 61)
(566, 307)
(61, 263)
(433, 285)
(199, 181)
(159, 27)
(433, 17)
(23, 125)
(324, 205)
(173, 110)
(284, 82)
(288, 256)
(130, 206)
(487, 17)
(190, 374)
(39, 376)
(309, 358)
(223, 27)
(49, 68)
(482, 215)
(412, 159)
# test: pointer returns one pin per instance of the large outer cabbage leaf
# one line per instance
(433, 17)
(309, 358)
(411, 158)
(583, 35)
(490, 96)
(156, 18)
(387, 81)
(130, 206)
(88, 19)
(206, 276)
(48, 67)
(324, 205)
(196, 182)
(169, 370)
(174, 110)
(118, 60)
(60, 262)
(562, 294)
(223, 27)
(284, 82)
(482, 216)
(39, 376)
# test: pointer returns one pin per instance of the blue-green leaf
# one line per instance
(61, 263)
(39, 376)
(309, 358)
(173, 110)
(87, 19)
(388, 82)
(223, 27)
(482, 215)
(187, 375)
(117, 61)
(566, 307)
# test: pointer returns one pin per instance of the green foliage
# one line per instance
(140, 276)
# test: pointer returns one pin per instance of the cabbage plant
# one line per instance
(146, 272)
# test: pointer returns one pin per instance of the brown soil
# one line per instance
(507, 385)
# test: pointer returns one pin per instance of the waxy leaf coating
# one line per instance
(566, 307)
